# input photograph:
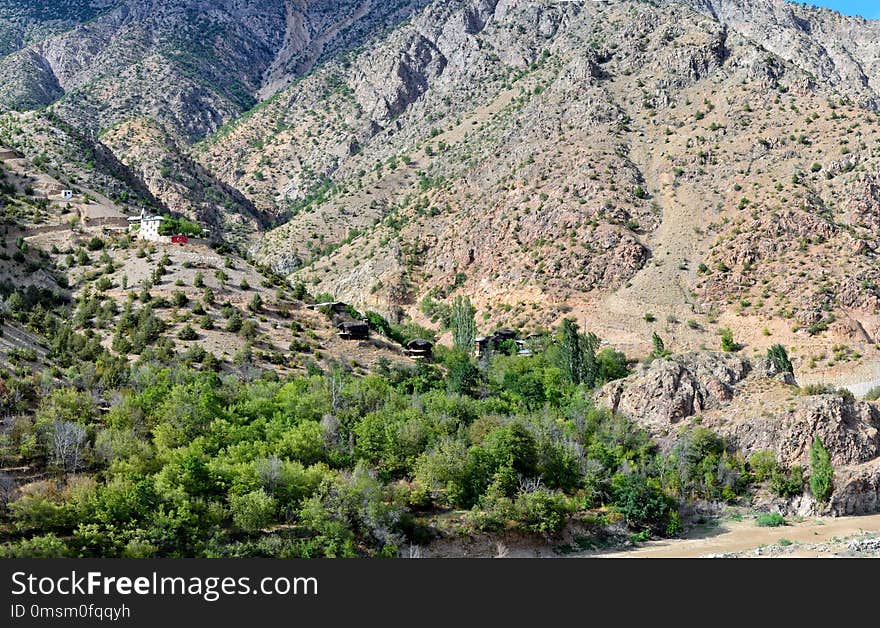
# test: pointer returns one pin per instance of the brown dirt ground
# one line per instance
(819, 537)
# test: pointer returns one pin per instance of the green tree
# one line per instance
(727, 342)
(187, 333)
(572, 360)
(578, 354)
(43, 546)
(789, 484)
(252, 511)
(642, 503)
(659, 350)
(463, 376)
(763, 464)
(464, 327)
(256, 303)
(821, 471)
(234, 324)
(779, 359)
(611, 365)
(513, 446)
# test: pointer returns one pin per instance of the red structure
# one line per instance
(179, 239)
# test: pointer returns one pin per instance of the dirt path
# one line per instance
(813, 537)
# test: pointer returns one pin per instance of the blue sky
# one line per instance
(866, 8)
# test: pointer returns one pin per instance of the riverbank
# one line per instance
(813, 537)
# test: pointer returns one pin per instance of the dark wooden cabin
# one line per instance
(353, 330)
(332, 307)
(420, 349)
(491, 343)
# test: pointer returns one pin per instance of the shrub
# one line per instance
(187, 333)
(256, 303)
(817, 389)
(787, 485)
(641, 502)
(727, 342)
(512, 445)
(542, 511)
(253, 511)
(873, 394)
(763, 465)
(611, 365)
(659, 350)
(43, 546)
(235, 323)
(698, 466)
(771, 520)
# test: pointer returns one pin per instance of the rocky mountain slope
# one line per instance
(679, 166)
(758, 410)
(700, 164)
(147, 77)
(678, 176)
(78, 251)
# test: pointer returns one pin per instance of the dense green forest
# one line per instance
(167, 457)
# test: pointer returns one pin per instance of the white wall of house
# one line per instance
(150, 228)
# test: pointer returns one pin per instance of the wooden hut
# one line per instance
(420, 349)
(353, 330)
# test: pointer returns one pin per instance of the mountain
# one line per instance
(663, 214)
(147, 78)
(76, 253)
(677, 167)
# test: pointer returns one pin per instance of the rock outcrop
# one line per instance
(718, 389)
(856, 490)
(849, 429)
(668, 390)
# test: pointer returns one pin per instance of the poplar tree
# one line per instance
(821, 471)
(578, 354)
(463, 324)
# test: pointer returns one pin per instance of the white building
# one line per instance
(149, 229)
(66, 194)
